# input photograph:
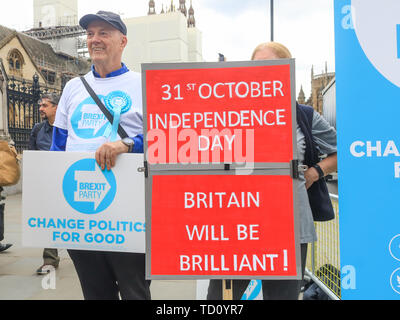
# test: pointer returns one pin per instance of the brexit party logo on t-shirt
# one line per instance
(87, 188)
(89, 122)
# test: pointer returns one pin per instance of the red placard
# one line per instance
(219, 115)
(222, 225)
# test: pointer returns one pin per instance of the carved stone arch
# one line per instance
(15, 61)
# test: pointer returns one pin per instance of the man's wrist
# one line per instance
(129, 143)
(321, 173)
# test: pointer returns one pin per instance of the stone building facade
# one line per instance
(318, 83)
(24, 56)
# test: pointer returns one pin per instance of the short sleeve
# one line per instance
(324, 134)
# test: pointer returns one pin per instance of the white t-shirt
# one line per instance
(86, 124)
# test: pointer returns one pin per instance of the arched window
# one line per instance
(15, 61)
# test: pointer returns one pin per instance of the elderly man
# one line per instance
(104, 275)
(41, 139)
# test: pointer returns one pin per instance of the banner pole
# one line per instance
(227, 290)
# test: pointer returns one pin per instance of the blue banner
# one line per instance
(367, 36)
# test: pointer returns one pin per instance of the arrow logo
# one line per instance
(87, 189)
(92, 186)
(91, 120)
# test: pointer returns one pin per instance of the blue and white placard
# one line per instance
(367, 36)
(70, 203)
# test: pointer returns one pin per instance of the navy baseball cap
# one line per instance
(107, 16)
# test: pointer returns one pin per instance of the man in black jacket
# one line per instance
(40, 139)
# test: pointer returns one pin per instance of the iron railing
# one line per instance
(323, 261)
(23, 108)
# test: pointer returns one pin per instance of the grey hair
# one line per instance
(53, 97)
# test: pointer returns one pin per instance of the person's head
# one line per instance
(48, 106)
(106, 37)
(271, 51)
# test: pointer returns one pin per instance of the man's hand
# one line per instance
(106, 155)
(328, 165)
(311, 175)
